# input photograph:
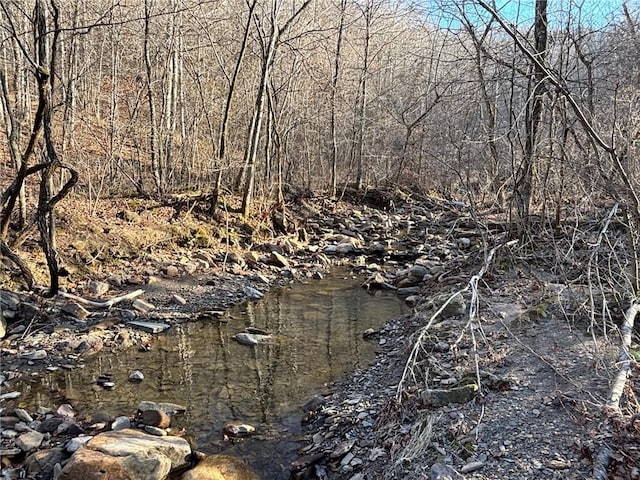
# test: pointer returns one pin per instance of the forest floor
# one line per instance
(544, 368)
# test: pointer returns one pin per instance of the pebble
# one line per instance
(159, 432)
(172, 271)
(559, 464)
(10, 395)
(253, 293)
(142, 306)
(121, 423)
(238, 429)
(36, 355)
(29, 441)
(10, 452)
(77, 442)
(472, 467)
(346, 460)
(136, 376)
(179, 299)
(66, 410)
(23, 415)
(8, 433)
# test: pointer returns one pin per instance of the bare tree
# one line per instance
(45, 29)
(270, 42)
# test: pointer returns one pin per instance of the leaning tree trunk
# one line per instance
(256, 121)
(222, 139)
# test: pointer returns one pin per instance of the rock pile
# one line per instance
(55, 445)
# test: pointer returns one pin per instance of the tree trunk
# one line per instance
(153, 134)
(222, 139)
(256, 121)
(524, 180)
(332, 100)
(361, 107)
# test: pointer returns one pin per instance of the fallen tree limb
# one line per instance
(472, 285)
(626, 362)
(107, 304)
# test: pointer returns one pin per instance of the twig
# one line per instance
(473, 313)
(593, 260)
(107, 304)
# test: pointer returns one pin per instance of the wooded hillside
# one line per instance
(532, 110)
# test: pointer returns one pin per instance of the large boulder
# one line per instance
(220, 467)
(9, 306)
(127, 455)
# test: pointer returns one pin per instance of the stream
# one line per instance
(317, 328)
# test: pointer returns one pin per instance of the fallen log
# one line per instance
(108, 304)
(626, 362)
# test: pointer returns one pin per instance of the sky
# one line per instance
(593, 13)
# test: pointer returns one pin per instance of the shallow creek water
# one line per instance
(317, 327)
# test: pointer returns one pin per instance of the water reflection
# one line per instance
(317, 330)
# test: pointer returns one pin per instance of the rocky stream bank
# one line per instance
(494, 379)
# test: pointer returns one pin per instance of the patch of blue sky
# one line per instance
(588, 13)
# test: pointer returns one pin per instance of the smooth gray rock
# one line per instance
(408, 291)
(75, 443)
(245, 338)
(35, 355)
(10, 452)
(23, 415)
(253, 294)
(66, 410)
(166, 407)
(418, 271)
(158, 432)
(121, 423)
(10, 395)
(444, 472)
(435, 398)
(472, 467)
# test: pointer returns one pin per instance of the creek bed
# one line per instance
(317, 327)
